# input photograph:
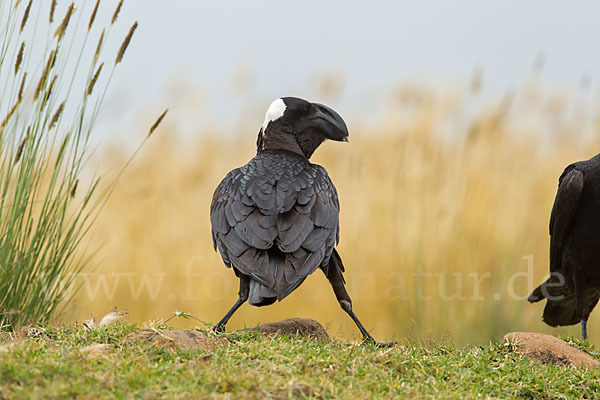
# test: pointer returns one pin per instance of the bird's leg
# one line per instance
(583, 308)
(337, 283)
(242, 297)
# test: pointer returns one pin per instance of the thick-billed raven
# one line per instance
(573, 288)
(275, 219)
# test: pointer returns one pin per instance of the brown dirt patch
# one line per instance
(550, 350)
(304, 327)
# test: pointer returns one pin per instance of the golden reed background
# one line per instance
(444, 221)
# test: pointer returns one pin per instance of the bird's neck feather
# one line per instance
(276, 140)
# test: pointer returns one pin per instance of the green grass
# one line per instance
(51, 91)
(255, 366)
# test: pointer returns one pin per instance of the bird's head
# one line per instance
(300, 126)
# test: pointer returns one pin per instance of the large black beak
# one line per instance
(329, 122)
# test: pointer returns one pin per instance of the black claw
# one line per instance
(379, 345)
(384, 345)
(218, 328)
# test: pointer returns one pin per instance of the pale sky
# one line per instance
(196, 48)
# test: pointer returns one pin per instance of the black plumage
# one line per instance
(573, 288)
(275, 220)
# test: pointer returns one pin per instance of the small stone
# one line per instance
(550, 350)
(304, 327)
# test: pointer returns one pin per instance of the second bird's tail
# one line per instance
(561, 306)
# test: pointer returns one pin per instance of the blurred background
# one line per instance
(462, 116)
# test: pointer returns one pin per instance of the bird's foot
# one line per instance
(218, 328)
(379, 345)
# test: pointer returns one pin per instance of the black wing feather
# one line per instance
(570, 185)
(569, 190)
(276, 220)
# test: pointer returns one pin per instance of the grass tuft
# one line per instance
(45, 148)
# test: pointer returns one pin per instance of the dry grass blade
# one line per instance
(99, 47)
(157, 122)
(125, 43)
(19, 58)
(116, 13)
(10, 113)
(49, 91)
(22, 145)
(43, 78)
(25, 16)
(57, 114)
(93, 16)
(94, 79)
(22, 87)
(74, 192)
(63, 146)
(52, 9)
(60, 31)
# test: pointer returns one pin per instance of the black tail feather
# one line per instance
(536, 295)
(561, 312)
(561, 307)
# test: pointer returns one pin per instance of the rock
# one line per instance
(181, 339)
(550, 350)
(304, 327)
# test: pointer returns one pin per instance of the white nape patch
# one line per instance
(275, 111)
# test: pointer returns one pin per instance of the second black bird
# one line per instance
(573, 289)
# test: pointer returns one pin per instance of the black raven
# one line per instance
(573, 288)
(275, 220)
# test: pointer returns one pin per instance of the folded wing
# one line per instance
(276, 220)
